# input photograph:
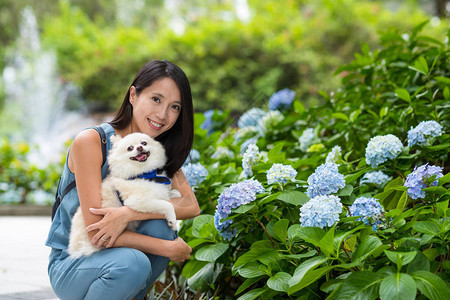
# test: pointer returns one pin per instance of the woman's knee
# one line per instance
(157, 228)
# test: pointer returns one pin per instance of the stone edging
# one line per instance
(25, 210)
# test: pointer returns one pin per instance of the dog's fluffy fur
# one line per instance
(129, 157)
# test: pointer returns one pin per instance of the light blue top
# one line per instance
(58, 237)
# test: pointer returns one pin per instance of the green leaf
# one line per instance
(247, 283)
(339, 115)
(360, 286)
(251, 270)
(420, 65)
(368, 245)
(211, 252)
(260, 250)
(309, 277)
(346, 191)
(293, 197)
(198, 223)
(442, 79)
(280, 228)
(275, 152)
(327, 242)
(431, 285)
(279, 282)
(311, 235)
(253, 294)
(399, 286)
(402, 201)
(403, 94)
(400, 258)
(304, 267)
(349, 178)
(444, 179)
(195, 242)
(244, 208)
(426, 227)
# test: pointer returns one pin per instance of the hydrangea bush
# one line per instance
(347, 199)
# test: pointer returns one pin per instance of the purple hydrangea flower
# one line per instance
(251, 117)
(234, 196)
(321, 211)
(195, 173)
(416, 181)
(376, 177)
(325, 180)
(367, 208)
(281, 99)
(381, 148)
(424, 133)
(280, 174)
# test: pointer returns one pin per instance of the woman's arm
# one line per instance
(186, 206)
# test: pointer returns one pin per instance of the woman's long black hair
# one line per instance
(177, 140)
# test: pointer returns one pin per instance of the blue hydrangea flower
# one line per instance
(321, 211)
(424, 133)
(194, 156)
(208, 124)
(269, 121)
(325, 180)
(367, 208)
(195, 173)
(416, 181)
(250, 141)
(334, 156)
(306, 139)
(281, 99)
(222, 152)
(251, 117)
(232, 197)
(251, 156)
(280, 174)
(381, 148)
(376, 177)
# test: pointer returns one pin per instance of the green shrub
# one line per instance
(272, 256)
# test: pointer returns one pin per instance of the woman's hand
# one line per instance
(180, 251)
(113, 223)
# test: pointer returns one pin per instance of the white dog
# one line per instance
(132, 161)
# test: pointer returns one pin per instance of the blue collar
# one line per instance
(153, 176)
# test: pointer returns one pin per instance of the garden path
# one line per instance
(23, 258)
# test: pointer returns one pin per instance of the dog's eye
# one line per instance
(130, 148)
(144, 143)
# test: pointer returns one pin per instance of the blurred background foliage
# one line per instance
(235, 53)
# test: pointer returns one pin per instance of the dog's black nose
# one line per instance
(139, 148)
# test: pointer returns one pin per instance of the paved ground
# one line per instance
(23, 258)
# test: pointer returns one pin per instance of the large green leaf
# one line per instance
(260, 250)
(279, 282)
(327, 242)
(293, 197)
(311, 235)
(426, 227)
(251, 270)
(280, 229)
(400, 258)
(253, 294)
(211, 252)
(309, 277)
(201, 222)
(361, 285)
(367, 246)
(247, 283)
(431, 285)
(398, 286)
(302, 269)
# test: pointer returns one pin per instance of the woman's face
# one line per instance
(156, 108)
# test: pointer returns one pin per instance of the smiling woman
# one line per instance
(159, 104)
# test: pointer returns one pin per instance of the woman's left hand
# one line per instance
(112, 224)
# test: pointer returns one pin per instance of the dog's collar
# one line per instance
(153, 176)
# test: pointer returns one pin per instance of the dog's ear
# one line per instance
(115, 138)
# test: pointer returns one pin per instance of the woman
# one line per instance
(158, 103)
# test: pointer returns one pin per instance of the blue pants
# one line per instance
(113, 273)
